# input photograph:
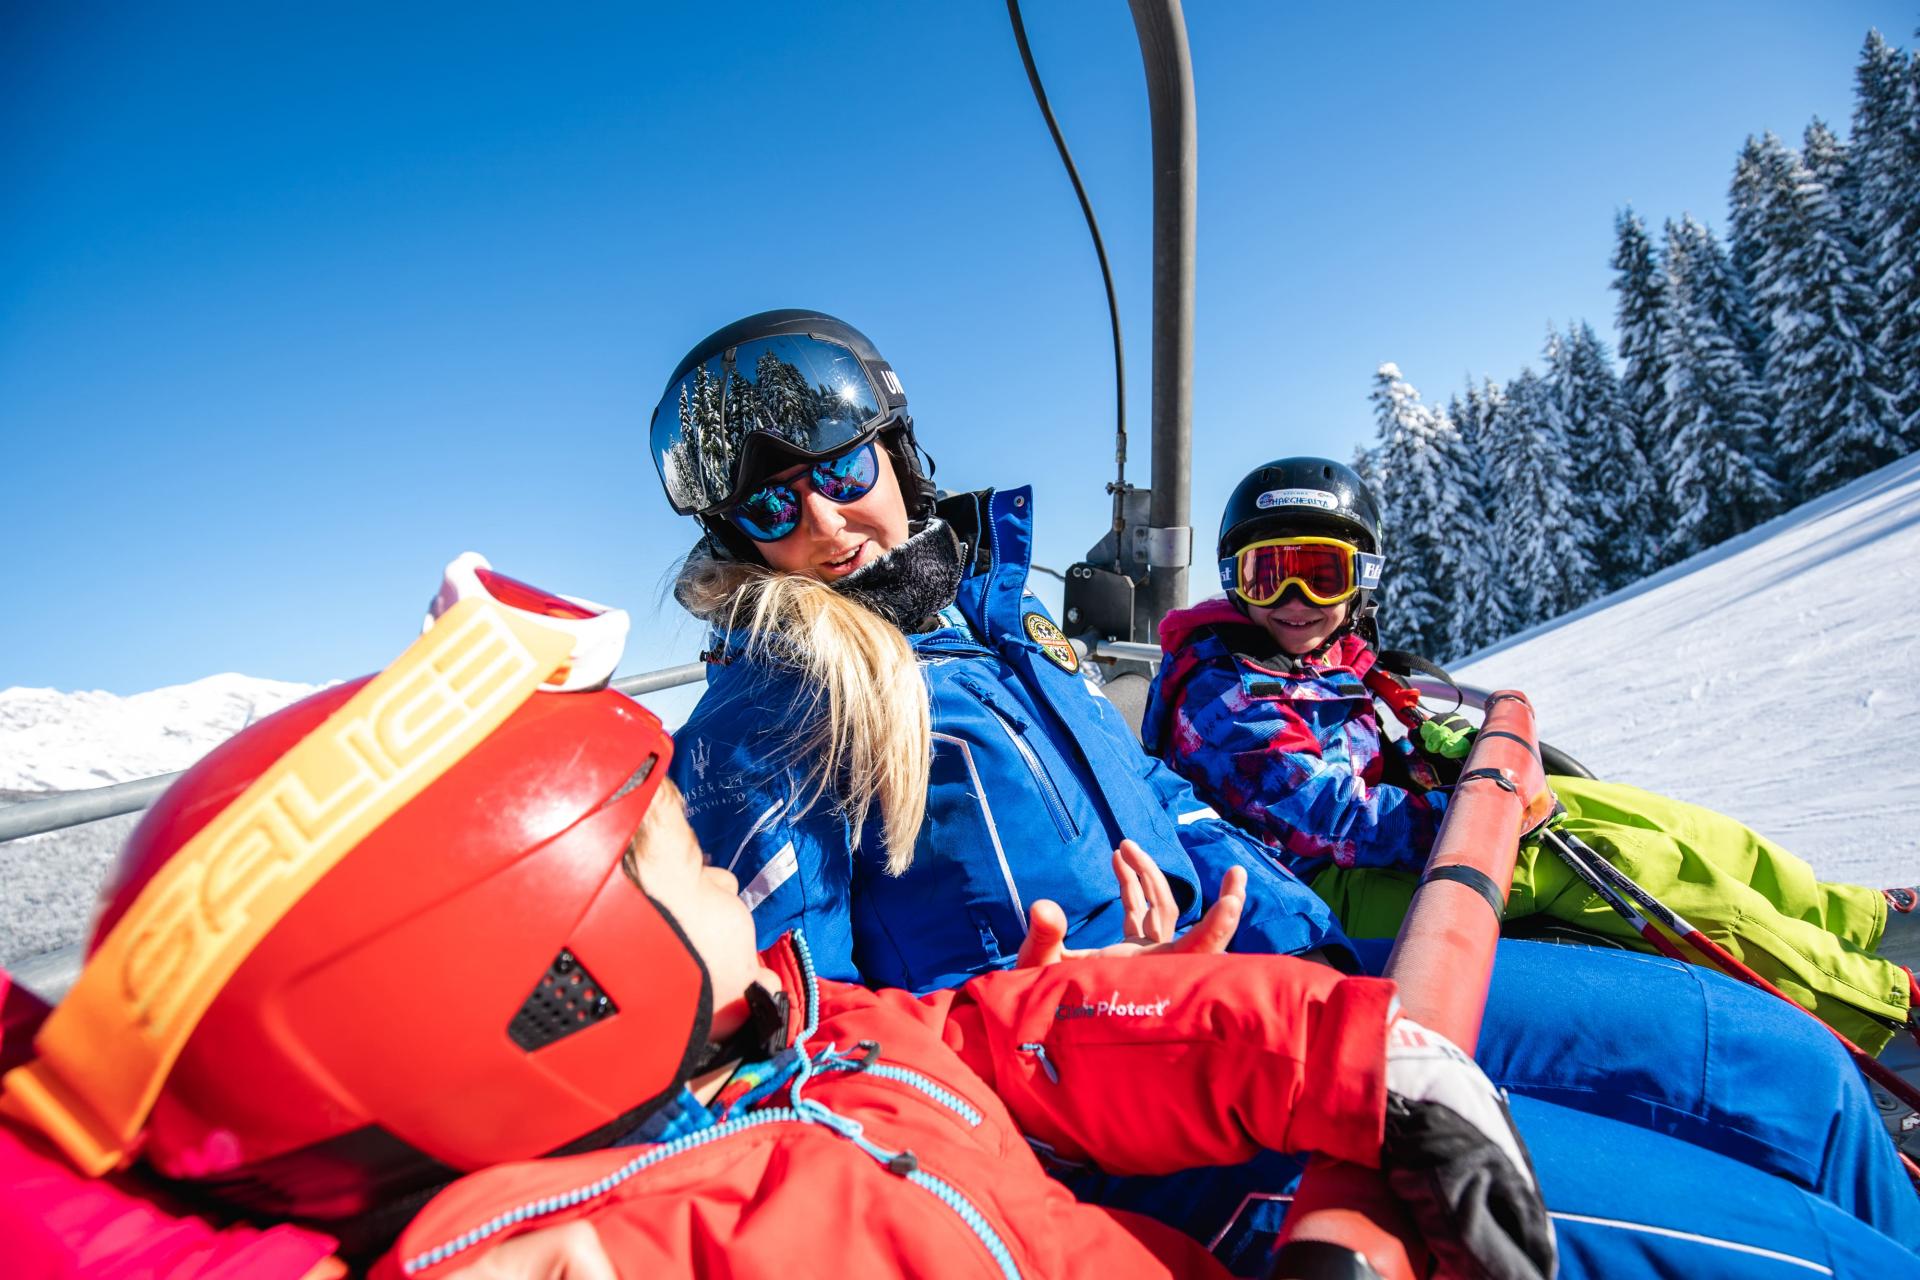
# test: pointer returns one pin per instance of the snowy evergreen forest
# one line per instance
(1752, 374)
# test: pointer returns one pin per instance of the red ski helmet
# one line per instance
(473, 980)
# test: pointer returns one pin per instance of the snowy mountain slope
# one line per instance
(1775, 677)
(53, 741)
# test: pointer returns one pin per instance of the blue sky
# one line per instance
(294, 308)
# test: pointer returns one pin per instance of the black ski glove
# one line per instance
(1454, 1158)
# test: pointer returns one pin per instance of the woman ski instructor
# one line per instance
(899, 752)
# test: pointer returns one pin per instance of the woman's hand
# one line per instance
(572, 1252)
(1149, 916)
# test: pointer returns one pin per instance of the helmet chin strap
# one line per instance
(762, 1036)
(724, 542)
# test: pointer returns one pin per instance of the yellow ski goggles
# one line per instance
(1327, 570)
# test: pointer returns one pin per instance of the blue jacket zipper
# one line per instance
(945, 1097)
(1049, 791)
(579, 1195)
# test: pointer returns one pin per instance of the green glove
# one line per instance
(1448, 736)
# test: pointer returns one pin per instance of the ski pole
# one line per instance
(1596, 872)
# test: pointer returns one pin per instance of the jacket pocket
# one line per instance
(1015, 725)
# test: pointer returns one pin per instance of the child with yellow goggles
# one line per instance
(1327, 570)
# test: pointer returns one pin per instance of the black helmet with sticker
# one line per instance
(1311, 497)
(1301, 495)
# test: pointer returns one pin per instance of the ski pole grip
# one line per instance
(1443, 962)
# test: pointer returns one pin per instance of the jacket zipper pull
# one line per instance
(1039, 1051)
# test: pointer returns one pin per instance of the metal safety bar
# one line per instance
(71, 809)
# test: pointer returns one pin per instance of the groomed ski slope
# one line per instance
(1775, 677)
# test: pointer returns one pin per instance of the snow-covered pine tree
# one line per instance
(1712, 458)
(1641, 312)
(1886, 152)
(1611, 479)
(1732, 307)
(1541, 526)
(1746, 212)
(1480, 612)
(1366, 465)
(1831, 162)
(1412, 608)
(1833, 413)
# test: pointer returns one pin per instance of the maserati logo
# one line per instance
(700, 757)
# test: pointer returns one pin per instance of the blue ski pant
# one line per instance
(1681, 1124)
(1695, 1055)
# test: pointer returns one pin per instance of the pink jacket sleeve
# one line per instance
(1159, 1063)
(56, 1224)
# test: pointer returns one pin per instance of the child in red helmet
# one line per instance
(441, 938)
(384, 939)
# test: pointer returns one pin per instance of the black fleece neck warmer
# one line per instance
(912, 583)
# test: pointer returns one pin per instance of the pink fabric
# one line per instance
(57, 1225)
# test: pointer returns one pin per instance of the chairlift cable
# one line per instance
(1119, 486)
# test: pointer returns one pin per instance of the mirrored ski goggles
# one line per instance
(772, 511)
(599, 634)
(1326, 570)
(805, 397)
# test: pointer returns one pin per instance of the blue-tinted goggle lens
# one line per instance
(772, 511)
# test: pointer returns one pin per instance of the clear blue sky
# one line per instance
(295, 307)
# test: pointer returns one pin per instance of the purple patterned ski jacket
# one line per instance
(1292, 752)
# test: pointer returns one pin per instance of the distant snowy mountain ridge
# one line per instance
(52, 741)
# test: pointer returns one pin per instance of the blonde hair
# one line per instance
(668, 807)
(863, 722)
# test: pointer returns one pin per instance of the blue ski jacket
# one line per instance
(1035, 779)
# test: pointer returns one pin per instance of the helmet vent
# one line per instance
(640, 775)
(566, 1000)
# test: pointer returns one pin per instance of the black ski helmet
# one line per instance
(746, 432)
(1313, 496)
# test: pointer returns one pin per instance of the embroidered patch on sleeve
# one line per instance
(1052, 641)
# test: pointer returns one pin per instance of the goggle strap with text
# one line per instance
(599, 633)
(103, 1055)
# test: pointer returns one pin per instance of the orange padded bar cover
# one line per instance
(1443, 961)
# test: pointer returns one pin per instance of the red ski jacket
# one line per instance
(1143, 1065)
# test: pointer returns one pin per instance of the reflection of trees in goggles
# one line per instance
(1327, 570)
(772, 511)
(807, 393)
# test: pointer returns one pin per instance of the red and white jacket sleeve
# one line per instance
(1152, 1064)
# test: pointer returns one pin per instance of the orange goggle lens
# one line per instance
(1323, 567)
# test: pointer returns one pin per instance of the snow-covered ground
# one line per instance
(1775, 677)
